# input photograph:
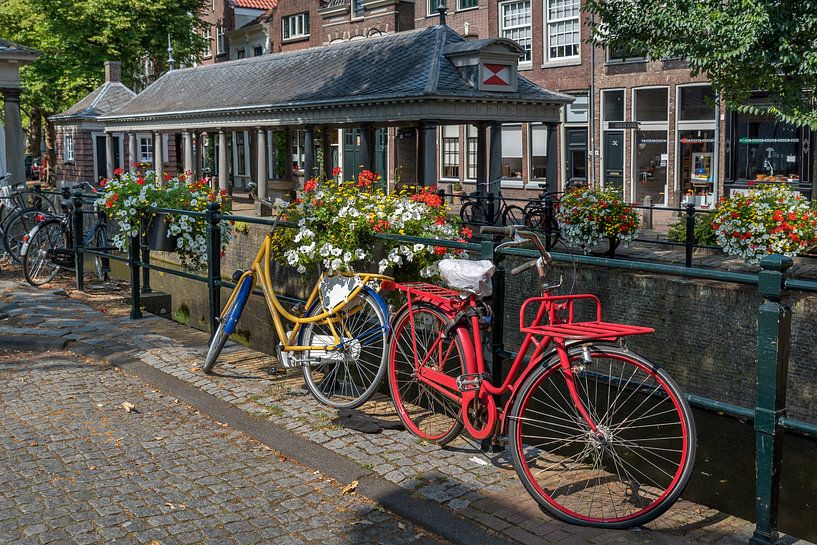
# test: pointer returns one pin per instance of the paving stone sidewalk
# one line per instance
(76, 467)
(479, 486)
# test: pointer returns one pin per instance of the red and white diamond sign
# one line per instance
(496, 74)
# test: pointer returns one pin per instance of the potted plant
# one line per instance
(126, 197)
(589, 216)
(456, 190)
(338, 222)
(769, 219)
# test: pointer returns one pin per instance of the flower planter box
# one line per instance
(158, 235)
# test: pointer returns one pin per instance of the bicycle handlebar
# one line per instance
(525, 266)
(496, 230)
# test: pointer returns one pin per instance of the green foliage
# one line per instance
(77, 36)
(702, 232)
(740, 45)
(182, 315)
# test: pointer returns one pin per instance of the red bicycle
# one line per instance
(598, 435)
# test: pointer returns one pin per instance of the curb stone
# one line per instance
(423, 512)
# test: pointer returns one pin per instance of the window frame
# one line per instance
(524, 64)
(512, 182)
(353, 16)
(555, 61)
(221, 40)
(450, 147)
(140, 139)
(460, 8)
(540, 127)
(431, 12)
(68, 144)
(257, 50)
(207, 35)
(286, 27)
(471, 151)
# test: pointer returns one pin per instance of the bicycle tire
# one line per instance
(101, 263)
(17, 226)
(426, 413)
(562, 480)
(364, 362)
(45, 237)
(227, 319)
(513, 215)
(539, 220)
(470, 213)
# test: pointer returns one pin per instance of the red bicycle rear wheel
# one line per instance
(425, 411)
(628, 472)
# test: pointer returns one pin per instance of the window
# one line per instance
(298, 148)
(432, 6)
(451, 151)
(472, 158)
(357, 9)
(295, 26)
(613, 105)
(512, 152)
(651, 104)
(538, 151)
(563, 29)
(466, 4)
(240, 142)
(619, 53)
(697, 103)
(207, 52)
(651, 166)
(577, 111)
(221, 42)
(766, 146)
(515, 24)
(145, 149)
(241, 53)
(257, 51)
(68, 152)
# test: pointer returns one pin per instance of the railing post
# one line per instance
(79, 240)
(133, 264)
(689, 239)
(493, 361)
(773, 332)
(145, 249)
(491, 207)
(214, 263)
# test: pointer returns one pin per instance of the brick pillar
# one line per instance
(15, 148)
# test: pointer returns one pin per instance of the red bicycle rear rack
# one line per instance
(423, 291)
(569, 329)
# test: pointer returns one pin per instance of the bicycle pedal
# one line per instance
(469, 382)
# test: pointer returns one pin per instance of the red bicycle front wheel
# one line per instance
(425, 411)
(628, 472)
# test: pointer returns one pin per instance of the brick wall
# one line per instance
(293, 7)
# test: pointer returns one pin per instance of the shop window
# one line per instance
(577, 111)
(207, 35)
(295, 26)
(696, 167)
(651, 165)
(563, 29)
(538, 151)
(515, 24)
(767, 147)
(651, 104)
(512, 152)
(697, 103)
(451, 152)
(613, 105)
(68, 151)
(472, 158)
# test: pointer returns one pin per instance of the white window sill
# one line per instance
(512, 184)
(472, 8)
(572, 61)
(295, 39)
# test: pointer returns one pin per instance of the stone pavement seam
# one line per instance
(400, 501)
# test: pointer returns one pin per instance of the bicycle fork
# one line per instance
(570, 381)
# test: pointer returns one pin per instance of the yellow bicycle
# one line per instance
(340, 341)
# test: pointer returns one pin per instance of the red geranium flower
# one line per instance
(118, 172)
(310, 185)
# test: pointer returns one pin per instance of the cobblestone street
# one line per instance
(77, 467)
(228, 484)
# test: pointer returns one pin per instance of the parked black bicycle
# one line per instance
(49, 246)
(540, 216)
(476, 210)
(18, 206)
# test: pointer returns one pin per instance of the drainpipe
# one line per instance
(592, 106)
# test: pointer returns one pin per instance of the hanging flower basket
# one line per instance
(158, 234)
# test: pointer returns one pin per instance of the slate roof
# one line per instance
(11, 49)
(102, 100)
(401, 66)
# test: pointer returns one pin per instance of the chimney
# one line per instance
(113, 71)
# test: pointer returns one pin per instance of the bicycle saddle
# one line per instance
(468, 276)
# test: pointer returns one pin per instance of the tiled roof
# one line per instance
(256, 4)
(12, 49)
(102, 100)
(398, 66)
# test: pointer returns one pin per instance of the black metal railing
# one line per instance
(773, 332)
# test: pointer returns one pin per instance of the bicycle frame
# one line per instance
(259, 272)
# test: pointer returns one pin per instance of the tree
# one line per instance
(740, 45)
(77, 36)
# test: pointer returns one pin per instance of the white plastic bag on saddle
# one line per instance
(466, 275)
